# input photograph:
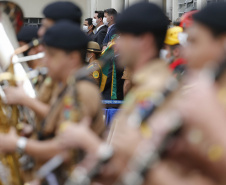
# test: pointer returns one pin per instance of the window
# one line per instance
(32, 22)
(186, 6)
(214, 1)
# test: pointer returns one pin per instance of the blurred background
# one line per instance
(173, 8)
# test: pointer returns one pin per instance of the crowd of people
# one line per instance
(170, 127)
(101, 29)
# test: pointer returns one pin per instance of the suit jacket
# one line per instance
(100, 35)
(111, 32)
(90, 36)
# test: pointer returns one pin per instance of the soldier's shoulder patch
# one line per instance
(48, 81)
(96, 74)
(89, 66)
(68, 101)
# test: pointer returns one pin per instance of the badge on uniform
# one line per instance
(96, 74)
(68, 102)
(70, 112)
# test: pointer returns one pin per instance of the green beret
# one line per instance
(63, 10)
(66, 35)
(142, 17)
(213, 16)
(27, 34)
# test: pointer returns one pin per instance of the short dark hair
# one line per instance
(111, 11)
(90, 22)
(100, 14)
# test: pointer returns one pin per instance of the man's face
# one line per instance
(56, 61)
(107, 17)
(127, 48)
(173, 52)
(97, 19)
(85, 23)
(202, 47)
(46, 24)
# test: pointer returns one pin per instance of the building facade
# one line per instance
(176, 8)
(173, 8)
(33, 8)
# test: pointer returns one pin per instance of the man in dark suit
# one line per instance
(101, 29)
(109, 20)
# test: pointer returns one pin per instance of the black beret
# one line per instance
(142, 17)
(63, 10)
(213, 16)
(27, 34)
(66, 35)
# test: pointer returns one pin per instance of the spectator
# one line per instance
(109, 20)
(174, 51)
(101, 29)
(88, 28)
(93, 53)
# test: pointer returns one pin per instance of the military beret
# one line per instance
(66, 35)
(27, 34)
(63, 10)
(213, 16)
(142, 17)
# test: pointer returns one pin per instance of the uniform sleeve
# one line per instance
(90, 98)
(126, 74)
(89, 105)
(46, 90)
(95, 73)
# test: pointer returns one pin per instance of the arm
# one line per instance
(91, 105)
(41, 150)
(126, 87)
(168, 171)
(203, 115)
(79, 136)
(40, 108)
(17, 96)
